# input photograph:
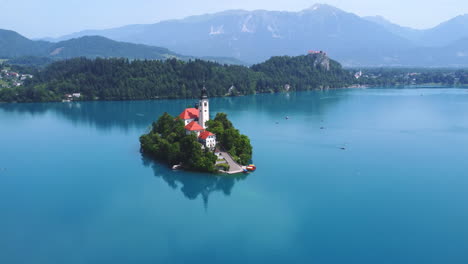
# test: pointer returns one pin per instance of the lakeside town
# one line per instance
(10, 78)
(411, 76)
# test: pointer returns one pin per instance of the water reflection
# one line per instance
(126, 115)
(274, 104)
(193, 185)
(102, 115)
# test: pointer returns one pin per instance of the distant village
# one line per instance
(12, 79)
(405, 76)
(9, 79)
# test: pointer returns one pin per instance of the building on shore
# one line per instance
(195, 121)
(195, 128)
(208, 139)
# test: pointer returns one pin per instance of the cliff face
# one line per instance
(311, 71)
(321, 60)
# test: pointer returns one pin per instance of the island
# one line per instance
(194, 142)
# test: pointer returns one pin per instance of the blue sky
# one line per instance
(40, 18)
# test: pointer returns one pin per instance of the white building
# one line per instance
(208, 139)
(195, 121)
(358, 75)
(204, 106)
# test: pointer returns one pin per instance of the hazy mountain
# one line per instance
(254, 36)
(13, 44)
(444, 34)
(408, 33)
(35, 52)
(97, 46)
(452, 55)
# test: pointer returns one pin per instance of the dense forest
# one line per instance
(230, 139)
(168, 142)
(30, 61)
(122, 79)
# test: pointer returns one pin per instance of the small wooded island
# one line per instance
(197, 143)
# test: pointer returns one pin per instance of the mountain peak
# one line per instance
(322, 7)
(10, 33)
(460, 19)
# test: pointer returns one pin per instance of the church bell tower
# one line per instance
(204, 108)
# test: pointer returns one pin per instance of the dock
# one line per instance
(234, 167)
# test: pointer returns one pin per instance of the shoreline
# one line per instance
(426, 85)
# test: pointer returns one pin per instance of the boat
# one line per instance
(251, 167)
(177, 167)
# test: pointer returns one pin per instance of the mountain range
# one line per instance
(254, 36)
(14, 45)
(442, 35)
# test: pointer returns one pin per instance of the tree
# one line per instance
(230, 138)
(168, 142)
(119, 79)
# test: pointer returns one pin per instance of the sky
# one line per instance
(53, 18)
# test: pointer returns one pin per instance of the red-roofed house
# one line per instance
(208, 139)
(189, 115)
(194, 127)
(195, 121)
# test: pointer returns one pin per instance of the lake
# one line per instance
(353, 176)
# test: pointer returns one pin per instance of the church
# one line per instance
(195, 121)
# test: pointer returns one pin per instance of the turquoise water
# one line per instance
(75, 189)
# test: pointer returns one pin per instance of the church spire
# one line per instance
(204, 93)
(204, 108)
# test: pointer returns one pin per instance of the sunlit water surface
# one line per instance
(353, 176)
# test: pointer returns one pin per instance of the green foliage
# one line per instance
(31, 61)
(302, 73)
(121, 79)
(413, 76)
(223, 166)
(231, 139)
(168, 142)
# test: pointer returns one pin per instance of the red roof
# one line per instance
(205, 134)
(193, 126)
(189, 113)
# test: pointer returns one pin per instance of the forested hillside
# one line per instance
(14, 45)
(121, 79)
